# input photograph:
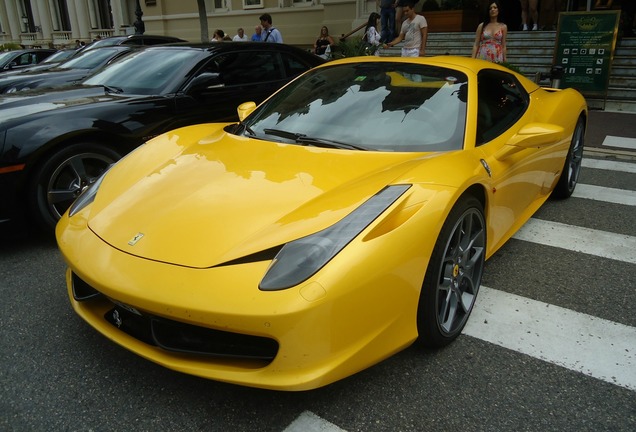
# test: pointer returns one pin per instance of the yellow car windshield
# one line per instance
(381, 106)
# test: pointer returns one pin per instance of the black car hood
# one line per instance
(42, 67)
(36, 101)
(43, 78)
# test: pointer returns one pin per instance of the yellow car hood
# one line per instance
(226, 197)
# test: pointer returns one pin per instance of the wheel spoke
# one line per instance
(472, 245)
(467, 296)
(473, 264)
(473, 254)
(467, 226)
(447, 275)
(453, 247)
(77, 165)
(448, 310)
(61, 195)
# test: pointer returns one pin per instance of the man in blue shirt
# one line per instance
(269, 33)
(256, 37)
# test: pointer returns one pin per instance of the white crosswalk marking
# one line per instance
(609, 165)
(589, 241)
(611, 195)
(613, 141)
(596, 347)
(310, 422)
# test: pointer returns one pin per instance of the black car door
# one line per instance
(226, 81)
(24, 60)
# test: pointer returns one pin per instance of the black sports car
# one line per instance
(144, 40)
(68, 72)
(18, 59)
(56, 142)
(51, 61)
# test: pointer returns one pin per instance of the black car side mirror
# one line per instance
(205, 81)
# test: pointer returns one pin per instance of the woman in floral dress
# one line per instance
(490, 38)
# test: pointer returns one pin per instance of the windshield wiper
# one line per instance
(319, 142)
(313, 141)
(111, 89)
(283, 134)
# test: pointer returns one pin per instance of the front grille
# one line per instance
(175, 336)
(180, 337)
(81, 290)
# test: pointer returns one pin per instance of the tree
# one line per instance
(203, 21)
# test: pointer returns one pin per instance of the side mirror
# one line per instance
(206, 80)
(11, 65)
(533, 135)
(245, 109)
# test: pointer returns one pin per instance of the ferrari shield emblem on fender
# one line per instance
(486, 167)
(133, 241)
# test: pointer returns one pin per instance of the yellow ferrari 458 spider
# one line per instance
(344, 218)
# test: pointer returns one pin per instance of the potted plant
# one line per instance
(451, 15)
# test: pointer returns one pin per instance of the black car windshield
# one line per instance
(147, 72)
(90, 59)
(6, 57)
(384, 106)
(59, 56)
(105, 42)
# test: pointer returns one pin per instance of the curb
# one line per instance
(609, 153)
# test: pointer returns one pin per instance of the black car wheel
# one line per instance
(572, 167)
(63, 177)
(453, 275)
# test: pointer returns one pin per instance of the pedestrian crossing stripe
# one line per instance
(609, 165)
(310, 422)
(611, 195)
(593, 346)
(589, 241)
(613, 141)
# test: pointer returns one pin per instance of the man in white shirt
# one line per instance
(414, 33)
(240, 36)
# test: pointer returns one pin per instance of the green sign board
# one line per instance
(585, 49)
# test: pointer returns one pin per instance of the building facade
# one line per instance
(59, 23)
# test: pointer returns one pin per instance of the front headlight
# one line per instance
(87, 196)
(300, 259)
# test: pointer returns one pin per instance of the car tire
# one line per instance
(572, 167)
(453, 276)
(58, 181)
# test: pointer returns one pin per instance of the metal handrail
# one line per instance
(355, 30)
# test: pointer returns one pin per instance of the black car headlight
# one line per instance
(87, 196)
(300, 259)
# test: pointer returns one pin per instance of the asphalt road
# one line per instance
(58, 374)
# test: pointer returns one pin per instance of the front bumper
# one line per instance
(335, 324)
(11, 207)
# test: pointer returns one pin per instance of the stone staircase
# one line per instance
(532, 52)
(622, 85)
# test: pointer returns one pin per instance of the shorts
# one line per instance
(410, 52)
